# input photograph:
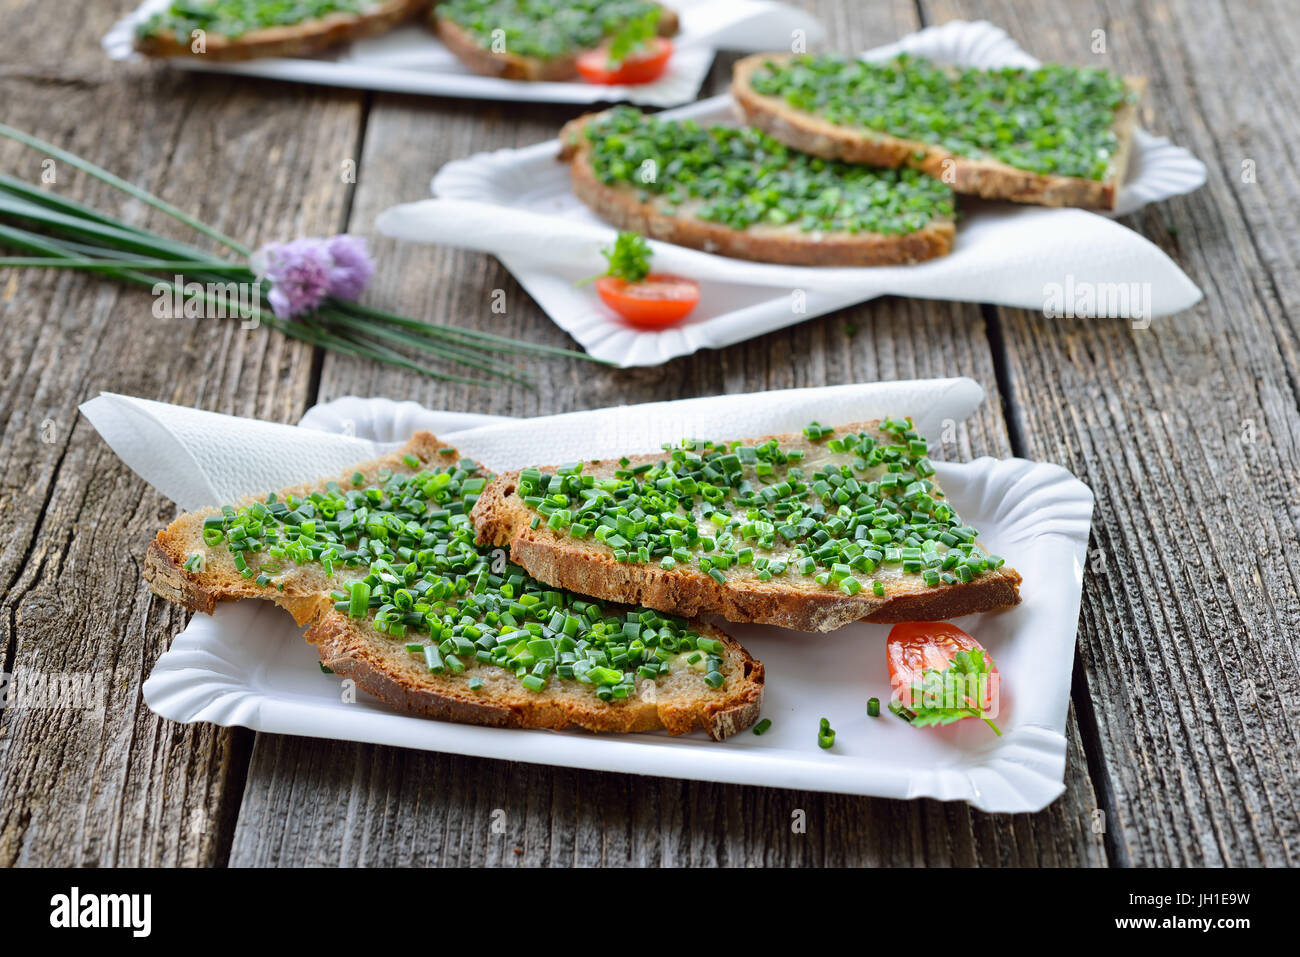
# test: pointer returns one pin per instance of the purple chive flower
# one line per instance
(302, 272)
(299, 272)
(353, 266)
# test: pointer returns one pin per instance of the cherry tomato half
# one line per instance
(915, 647)
(657, 301)
(644, 66)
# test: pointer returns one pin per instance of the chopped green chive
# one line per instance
(555, 28)
(406, 548)
(873, 707)
(767, 514)
(762, 725)
(825, 734)
(742, 177)
(359, 600)
(1054, 119)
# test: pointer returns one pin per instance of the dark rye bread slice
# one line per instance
(788, 245)
(512, 66)
(679, 703)
(588, 567)
(294, 40)
(988, 178)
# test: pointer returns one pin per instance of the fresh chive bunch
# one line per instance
(1055, 119)
(764, 515)
(404, 554)
(60, 233)
(743, 177)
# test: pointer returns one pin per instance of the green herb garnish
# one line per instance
(628, 258)
(762, 726)
(741, 177)
(1052, 120)
(943, 697)
(633, 37)
(825, 735)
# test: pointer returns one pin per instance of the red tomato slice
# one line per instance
(915, 647)
(657, 301)
(643, 66)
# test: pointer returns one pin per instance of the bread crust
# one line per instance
(787, 245)
(346, 653)
(512, 66)
(990, 179)
(501, 518)
(295, 40)
(352, 649)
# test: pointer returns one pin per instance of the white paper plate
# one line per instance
(247, 665)
(1006, 254)
(411, 59)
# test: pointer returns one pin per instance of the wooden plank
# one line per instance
(121, 786)
(1188, 433)
(313, 802)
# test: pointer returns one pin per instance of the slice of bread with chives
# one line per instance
(233, 30)
(463, 31)
(832, 106)
(808, 531)
(738, 192)
(382, 566)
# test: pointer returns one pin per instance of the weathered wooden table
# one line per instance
(1184, 737)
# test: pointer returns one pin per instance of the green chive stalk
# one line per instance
(53, 232)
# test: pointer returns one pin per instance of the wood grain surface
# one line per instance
(1186, 430)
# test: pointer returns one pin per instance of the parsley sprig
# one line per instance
(632, 37)
(628, 258)
(956, 693)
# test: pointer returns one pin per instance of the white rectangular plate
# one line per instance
(411, 59)
(1005, 253)
(247, 665)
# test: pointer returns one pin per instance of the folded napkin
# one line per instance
(199, 458)
(1005, 254)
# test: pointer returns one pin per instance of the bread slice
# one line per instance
(790, 599)
(787, 244)
(380, 664)
(294, 40)
(512, 66)
(988, 178)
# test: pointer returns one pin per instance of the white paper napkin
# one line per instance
(199, 458)
(1006, 255)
